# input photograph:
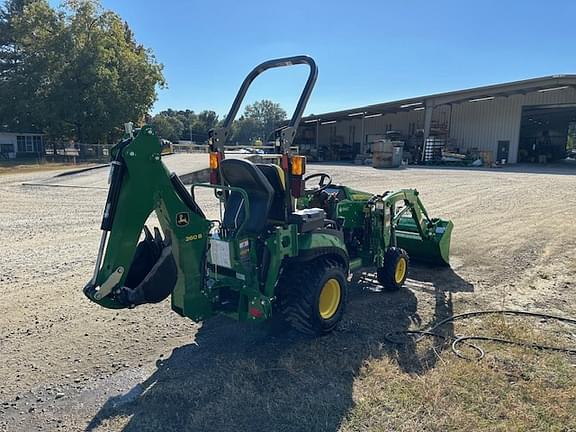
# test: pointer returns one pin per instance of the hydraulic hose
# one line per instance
(430, 332)
(116, 175)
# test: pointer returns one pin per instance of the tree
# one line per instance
(28, 57)
(245, 130)
(168, 127)
(205, 121)
(10, 56)
(185, 125)
(259, 120)
(78, 74)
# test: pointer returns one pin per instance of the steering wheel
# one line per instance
(322, 183)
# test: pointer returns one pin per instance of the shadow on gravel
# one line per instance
(241, 377)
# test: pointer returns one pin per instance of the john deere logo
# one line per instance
(182, 219)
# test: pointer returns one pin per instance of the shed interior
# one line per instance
(547, 133)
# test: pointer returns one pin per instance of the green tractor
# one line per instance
(285, 243)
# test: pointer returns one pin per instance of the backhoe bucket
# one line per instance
(153, 272)
(435, 249)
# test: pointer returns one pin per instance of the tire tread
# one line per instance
(297, 294)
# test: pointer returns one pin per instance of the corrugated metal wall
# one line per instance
(472, 124)
(482, 124)
(377, 125)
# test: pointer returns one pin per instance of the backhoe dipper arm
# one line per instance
(126, 273)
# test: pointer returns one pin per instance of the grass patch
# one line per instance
(352, 381)
(20, 166)
(462, 395)
(512, 389)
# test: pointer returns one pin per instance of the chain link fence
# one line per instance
(77, 152)
(100, 153)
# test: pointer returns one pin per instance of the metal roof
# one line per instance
(548, 83)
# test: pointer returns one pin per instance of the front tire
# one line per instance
(395, 270)
(313, 296)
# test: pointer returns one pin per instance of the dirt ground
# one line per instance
(67, 364)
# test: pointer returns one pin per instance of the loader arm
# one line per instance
(140, 185)
(412, 205)
(412, 229)
(399, 219)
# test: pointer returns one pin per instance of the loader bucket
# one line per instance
(434, 250)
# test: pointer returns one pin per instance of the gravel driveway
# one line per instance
(64, 358)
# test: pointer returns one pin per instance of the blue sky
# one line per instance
(367, 51)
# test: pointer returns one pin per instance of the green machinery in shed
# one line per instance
(284, 246)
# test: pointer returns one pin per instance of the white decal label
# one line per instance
(220, 253)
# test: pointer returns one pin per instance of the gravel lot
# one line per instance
(70, 365)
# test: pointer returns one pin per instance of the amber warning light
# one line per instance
(214, 160)
(298, 165)
(214, 164)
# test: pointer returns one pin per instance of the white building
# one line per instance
(524, 121)
(14, 145)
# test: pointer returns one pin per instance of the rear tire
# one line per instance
(395, 270)
(313, 296)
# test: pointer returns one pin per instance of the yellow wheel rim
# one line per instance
(329, 298)
(400, 271)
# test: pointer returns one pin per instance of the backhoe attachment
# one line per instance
(128, 272)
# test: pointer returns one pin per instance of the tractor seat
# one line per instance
(275, 176)
(244, 174)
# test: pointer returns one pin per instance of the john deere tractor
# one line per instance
(284, 246)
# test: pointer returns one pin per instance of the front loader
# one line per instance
(283, 247)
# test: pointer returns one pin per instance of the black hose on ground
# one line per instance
(464, 339)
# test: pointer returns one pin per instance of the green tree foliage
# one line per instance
(246, 130)
(26, 46)
(168, 127)
(74, 73)
(10, 55)
(185, 125)
(205, 121)
(259, 120)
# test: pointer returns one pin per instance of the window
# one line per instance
(29, 143)
(6, 148)
(37, 143)
(21, 143)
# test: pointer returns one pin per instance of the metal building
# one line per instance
(523, 121)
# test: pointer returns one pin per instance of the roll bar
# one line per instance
(218, 136)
